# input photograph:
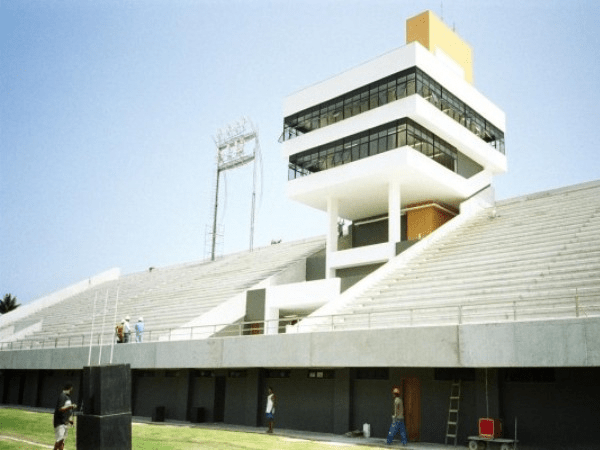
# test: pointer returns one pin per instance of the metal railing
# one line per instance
(577, 303)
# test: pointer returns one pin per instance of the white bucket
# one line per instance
(366, 430)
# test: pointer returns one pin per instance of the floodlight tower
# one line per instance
(233, 150)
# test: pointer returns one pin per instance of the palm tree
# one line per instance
(8, 303)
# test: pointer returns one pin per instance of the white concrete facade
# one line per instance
(385, 183)
(416, 108)
(297, 298)
(552, 343)
(410, 55)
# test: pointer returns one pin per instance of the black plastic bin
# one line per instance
(197, 415)
(159, 414)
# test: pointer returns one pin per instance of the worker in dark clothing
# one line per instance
(62, 416)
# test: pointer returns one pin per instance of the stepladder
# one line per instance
(453, 410)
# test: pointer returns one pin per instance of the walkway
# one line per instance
(305, 435)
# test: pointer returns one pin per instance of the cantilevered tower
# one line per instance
(394, 145)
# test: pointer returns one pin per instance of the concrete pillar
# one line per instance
(341, 401)
(253, 411)
(332, 232)
(394, 211)
(271, 320)
(30, 395)
(106, 414)
(271, 316)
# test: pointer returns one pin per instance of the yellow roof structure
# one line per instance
(435, 35)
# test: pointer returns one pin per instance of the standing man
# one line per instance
(126, 330)
(139, 330)
(119, 332)
(62, 416)
(271, 409)
(397, 419)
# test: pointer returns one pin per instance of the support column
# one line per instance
(271, 320)
(342, 404)
(105, 421)
(332, 232)
(394, 211)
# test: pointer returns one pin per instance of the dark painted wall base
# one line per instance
(104, 432)
(106, 420)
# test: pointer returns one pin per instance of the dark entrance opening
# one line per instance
(219, 407)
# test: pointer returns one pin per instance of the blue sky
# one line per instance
(108, 111)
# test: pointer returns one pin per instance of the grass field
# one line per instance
(36, 429)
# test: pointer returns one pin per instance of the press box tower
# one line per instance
(394, 145)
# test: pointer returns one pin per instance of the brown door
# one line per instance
(412, 408)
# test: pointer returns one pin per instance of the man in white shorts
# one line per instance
(62, 416)
(270, 412)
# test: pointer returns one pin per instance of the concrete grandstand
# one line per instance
(431, 284)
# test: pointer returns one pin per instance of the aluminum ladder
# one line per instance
(452, 425)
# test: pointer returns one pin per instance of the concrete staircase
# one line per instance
(529, 258)
(164, 297)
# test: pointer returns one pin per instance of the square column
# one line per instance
(271, 320)
(332, 233)
(394, 212)
(106, 406)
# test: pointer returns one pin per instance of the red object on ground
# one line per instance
(490, 428)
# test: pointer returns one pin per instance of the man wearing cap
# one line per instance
(397, 419)
(126, 330)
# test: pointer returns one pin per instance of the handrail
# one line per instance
(585, 302)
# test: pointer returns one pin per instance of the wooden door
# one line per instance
(412, 408)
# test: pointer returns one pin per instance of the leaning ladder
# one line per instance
(452, 426)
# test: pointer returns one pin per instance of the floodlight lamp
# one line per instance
(239, 147)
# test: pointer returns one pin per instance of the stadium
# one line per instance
(421, 280)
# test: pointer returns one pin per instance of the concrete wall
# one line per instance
(551, 412)
(372, 403)
(161, 388)
(466, 167)
(553, 343)
(52, 383)
(242, 399)
(255, 305)
(11, 387)
(315, 266)
(30, 388)
(388, 64)
(183, 390)
(303, 403)
(557, 410)
(202, 394)
(375, 232)
(554, 413)
(352, 275)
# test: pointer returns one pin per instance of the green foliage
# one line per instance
(8, 303)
